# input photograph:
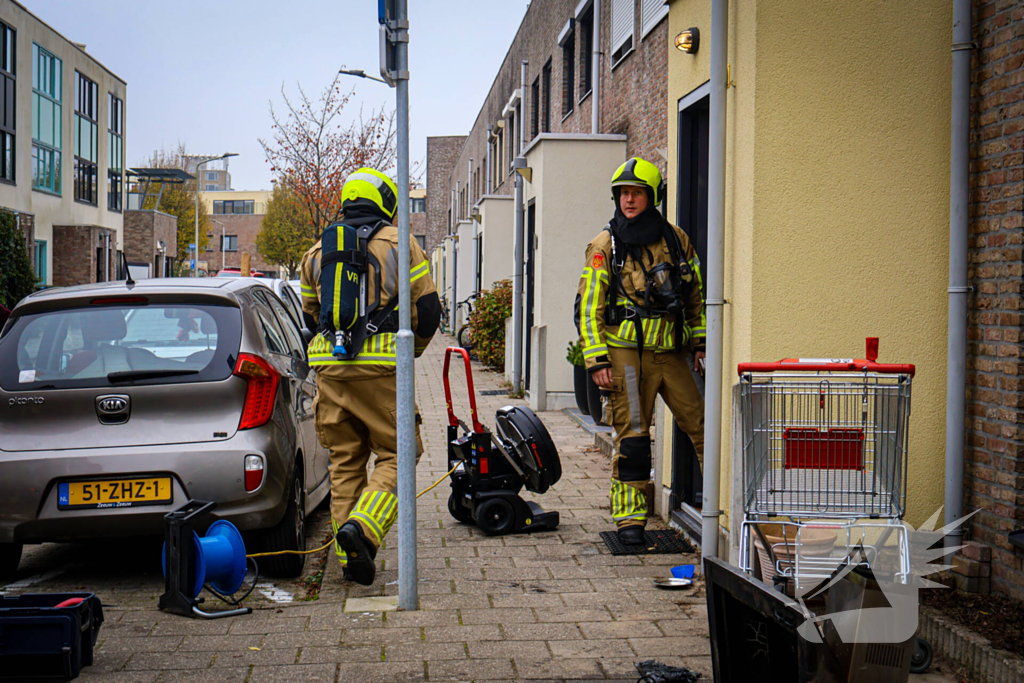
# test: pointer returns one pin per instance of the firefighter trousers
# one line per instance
(354, 419)
(635, 387)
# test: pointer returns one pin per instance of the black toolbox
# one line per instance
(40, 641)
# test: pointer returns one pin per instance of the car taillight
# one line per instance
(261, 392)
(253, 472)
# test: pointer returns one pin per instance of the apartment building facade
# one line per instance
(62, 150)
(574, 109)
(235, 219)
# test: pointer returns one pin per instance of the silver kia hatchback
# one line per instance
(119, 403)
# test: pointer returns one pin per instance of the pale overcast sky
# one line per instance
(203, 72)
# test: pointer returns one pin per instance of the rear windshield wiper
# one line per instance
(132, 375)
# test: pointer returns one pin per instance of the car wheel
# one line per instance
(495, 516)
(10, 556)
(288, 534)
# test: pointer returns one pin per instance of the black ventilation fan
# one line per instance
(525, 438)
(489, 471)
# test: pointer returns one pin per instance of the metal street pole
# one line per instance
(195, 261)
(408, 589)
(395, 30)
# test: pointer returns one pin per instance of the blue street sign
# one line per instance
(191, 245)
(191, 264)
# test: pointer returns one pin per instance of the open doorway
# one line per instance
(686, 496)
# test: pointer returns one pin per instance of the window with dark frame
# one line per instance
(545, 80)
(47, 121)
(568, 73)
(115, 152)
(229, 243)
(535, 107)
(8, 101)
(86, 138)
(586, 24)
(234, 206)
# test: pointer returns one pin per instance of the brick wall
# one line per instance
(143, 233)
(418, 225)
(441, 155)
(246, 227)
(75, 255)
(995, 451)
(633, 94)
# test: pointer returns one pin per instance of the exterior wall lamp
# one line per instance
(688, 41)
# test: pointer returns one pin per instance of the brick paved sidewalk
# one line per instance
(547, 606)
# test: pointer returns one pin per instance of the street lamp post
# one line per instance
(397, 31)
(195, 261)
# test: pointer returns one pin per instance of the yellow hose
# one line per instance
(328, 544)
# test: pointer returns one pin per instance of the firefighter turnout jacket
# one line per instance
(378, 355)
(659, 333)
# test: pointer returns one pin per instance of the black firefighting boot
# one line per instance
(629, 535)
(360, 553)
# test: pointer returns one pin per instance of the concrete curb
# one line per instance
(971, 651)
(602, 435)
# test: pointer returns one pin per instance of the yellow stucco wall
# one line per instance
(837, 205)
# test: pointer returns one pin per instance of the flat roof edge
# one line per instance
(574, 137)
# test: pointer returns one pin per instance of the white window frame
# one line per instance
(651, 14)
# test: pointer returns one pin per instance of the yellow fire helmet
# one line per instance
(637, 171)
(372, 185)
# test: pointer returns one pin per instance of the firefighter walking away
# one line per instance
(640, 309)
(350, 285)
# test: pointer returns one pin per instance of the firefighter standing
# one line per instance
(356, 398)
(639, 307)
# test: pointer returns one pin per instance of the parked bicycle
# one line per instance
(465, 335)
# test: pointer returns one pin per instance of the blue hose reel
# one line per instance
(190, 561)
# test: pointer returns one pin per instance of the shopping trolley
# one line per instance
(824, 465)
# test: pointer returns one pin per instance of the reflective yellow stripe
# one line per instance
(377, 350)
(591, 295)
(627, 502)
(419, 271)
(377, 509)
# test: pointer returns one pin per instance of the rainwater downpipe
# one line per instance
(470, 188)
(716, 280)
(595, 71)
(487, 180)
(520, 238)
(956, 360)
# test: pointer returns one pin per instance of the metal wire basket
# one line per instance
(825, 438)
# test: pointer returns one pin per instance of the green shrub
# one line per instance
(574, 353)
(16, 277)
(488, 322)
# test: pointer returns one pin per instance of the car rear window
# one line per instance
(110, 346)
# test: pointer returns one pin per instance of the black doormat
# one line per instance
(660, 542)
(494, 392)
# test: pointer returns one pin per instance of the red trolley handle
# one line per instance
(858, 365)
(452, 420)
(823, 365)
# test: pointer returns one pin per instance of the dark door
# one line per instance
(692, 217)
(692, 189)
(529, 255)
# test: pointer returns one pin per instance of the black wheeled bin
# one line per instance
(40, 641)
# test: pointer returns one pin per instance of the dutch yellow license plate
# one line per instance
(114, 493)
